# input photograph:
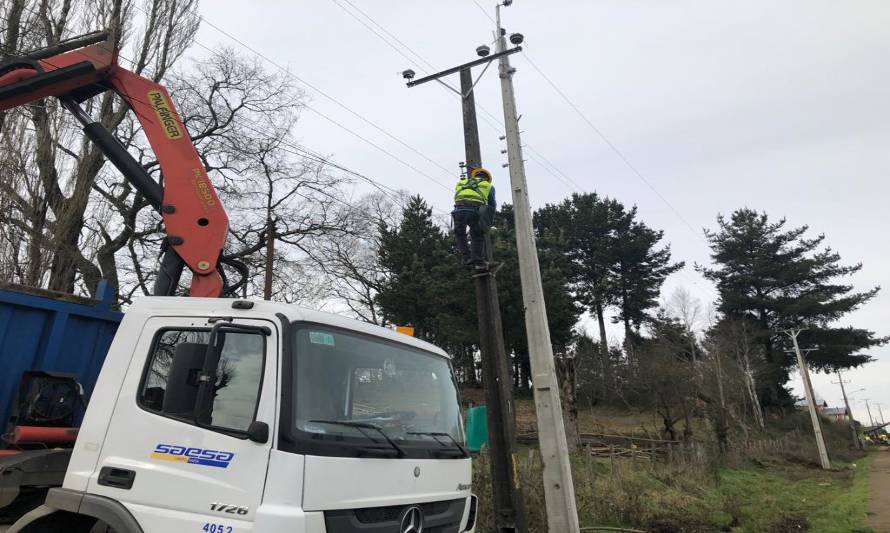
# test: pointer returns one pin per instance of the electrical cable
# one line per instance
(337, 102)
(484, 12)
(487, 116)
(610, 144)
(303, 153)
(546, 164)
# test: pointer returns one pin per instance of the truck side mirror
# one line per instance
(258, 432)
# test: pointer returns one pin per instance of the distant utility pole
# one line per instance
(841, 382)
(559, 490)
(508, 507)
(811, 400)
(871, 421)
(880, 412)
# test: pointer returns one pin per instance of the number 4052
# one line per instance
(216, 528)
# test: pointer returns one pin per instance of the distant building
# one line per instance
(821, 405)
(835, 414)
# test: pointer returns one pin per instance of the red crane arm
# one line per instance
(191, 208)
(195, 220)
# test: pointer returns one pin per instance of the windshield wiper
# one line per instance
(435, 434)
(364, 425)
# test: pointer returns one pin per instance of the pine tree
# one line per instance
(638, 273)
(781, 279)
(614, 259)
(424, 287)
(585, 227)
(562, 311)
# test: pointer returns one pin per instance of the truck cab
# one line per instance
(229, 416)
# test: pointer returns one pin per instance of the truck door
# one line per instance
(184, 450)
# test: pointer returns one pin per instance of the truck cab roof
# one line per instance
(223, 307)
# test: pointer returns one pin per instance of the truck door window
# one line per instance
(170, 383)
(239, 378)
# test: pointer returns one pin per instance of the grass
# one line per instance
(775, 498)
(788, 495)
(756, 490)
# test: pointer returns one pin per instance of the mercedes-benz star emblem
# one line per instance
(412, 521)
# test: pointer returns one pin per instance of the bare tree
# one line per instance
(736, 339)
(67, 220)
(688, 310)
(298, 205)
(350, 262)
(664, 378)
(68, 237)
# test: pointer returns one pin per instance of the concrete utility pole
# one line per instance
(811, 400)
(881, 413)
(559, 489)
(507, 496)
(871, 421)
(856, 441)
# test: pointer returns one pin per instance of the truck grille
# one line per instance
(439, 517)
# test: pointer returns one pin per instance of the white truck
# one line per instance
(213, 415)
(229, 416)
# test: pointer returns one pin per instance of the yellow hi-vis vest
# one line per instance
(472, 190)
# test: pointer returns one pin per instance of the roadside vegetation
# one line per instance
(770, 486)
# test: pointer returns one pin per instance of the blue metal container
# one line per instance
(39, 331)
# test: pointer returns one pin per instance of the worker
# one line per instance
(472, 194)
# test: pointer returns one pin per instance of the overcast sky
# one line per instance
(777, 106)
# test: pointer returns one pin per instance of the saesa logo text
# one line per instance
(193, 456)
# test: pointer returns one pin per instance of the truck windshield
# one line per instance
(358, 395)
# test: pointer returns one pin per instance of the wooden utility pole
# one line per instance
(506, 495)
(852, 422)
(559, 489)
(811, 400)
(495, 371)
(270, 258)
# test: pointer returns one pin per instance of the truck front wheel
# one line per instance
(101, 527)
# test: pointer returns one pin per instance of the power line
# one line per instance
(565, 178)
(487, 116)
(490, 119)
(627, 162)
(533, 154)
(546, 163)
(295, 149)
(323, 115)
(334, 100)
(610, 144)
(304, 152)
(387, 32)
(484, 12)
(599, 133)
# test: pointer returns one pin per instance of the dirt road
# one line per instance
(879, 505)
